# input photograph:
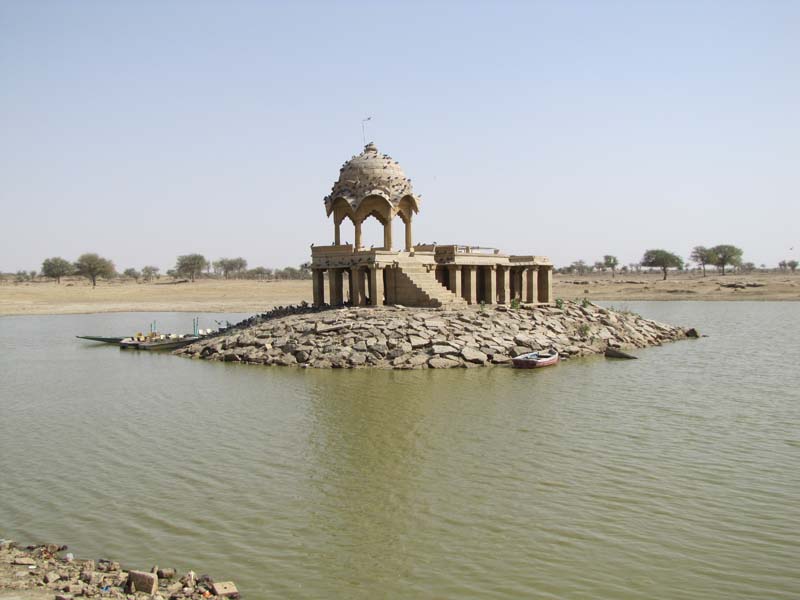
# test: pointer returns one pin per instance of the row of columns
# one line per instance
(500, 283)
(387, 235)
(365, 286)
(497, 283)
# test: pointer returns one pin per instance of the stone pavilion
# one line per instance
(374, 185)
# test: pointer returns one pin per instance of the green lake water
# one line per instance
(673, 476)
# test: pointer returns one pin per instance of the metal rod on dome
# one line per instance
(364, 130)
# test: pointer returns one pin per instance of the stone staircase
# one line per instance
(417, 286)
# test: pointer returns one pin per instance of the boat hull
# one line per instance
(157, 344)
(104, 340)
(534, 360)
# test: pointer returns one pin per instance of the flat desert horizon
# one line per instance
(76, 296)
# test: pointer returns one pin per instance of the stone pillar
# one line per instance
(358, 237)
(337, 233)
(376, 285)
(391, 285)
(491, 285)
(504, 284)
(531, 284)
(409, 243)
(351, 286)
(335, 287)
(545, 286)
(455, 279)
(318, 283)
(358, 293)
(470, 285)
(387, 235)
(514, 286)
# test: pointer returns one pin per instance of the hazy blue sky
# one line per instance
(143, 130)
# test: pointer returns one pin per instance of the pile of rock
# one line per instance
(65, 577)
(411, 338)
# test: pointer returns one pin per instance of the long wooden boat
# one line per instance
(535, 360)
(104, 340)
(157, 342)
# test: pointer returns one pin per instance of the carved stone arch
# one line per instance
(341, 210)
(378, 216)
(375, 205)
(408, 205)
(406, 209)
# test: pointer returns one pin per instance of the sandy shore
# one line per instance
(684, 286)
(48, 572)
(77, 296)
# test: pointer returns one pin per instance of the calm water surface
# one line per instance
(673, 476)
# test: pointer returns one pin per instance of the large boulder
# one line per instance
(438, 362)
(472, 355)
(140, 581)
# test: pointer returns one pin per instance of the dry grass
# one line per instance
(77, 296)
(682, 286)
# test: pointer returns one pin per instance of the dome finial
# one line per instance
(371, 147)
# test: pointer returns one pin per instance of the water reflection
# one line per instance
(365, 457)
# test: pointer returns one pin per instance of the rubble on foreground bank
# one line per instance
(56, 574)
(398, 337)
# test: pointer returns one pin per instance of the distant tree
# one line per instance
(92, 266)
(21, 276)
(783, 265)
(579, 267)
(662, 259)
(33, 274)
(702, 256)
(623, 269)
(150, 272)
(257, 273)
(227, 266)
(599, 266)
(132, 273)
(230, 266)
(56, 268)
(611, 262)
(190, 265)
(725, 254)
(748, 267)
(792, 264)
(172, 273)
(239, 266)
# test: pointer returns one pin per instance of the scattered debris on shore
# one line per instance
(397, 337)
(56, 574)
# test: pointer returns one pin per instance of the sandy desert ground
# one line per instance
(77, 296)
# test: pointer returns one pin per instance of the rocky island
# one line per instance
(397, 337)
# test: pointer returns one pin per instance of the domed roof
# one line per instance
(371, 174)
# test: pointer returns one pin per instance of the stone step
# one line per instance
(431, 292)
